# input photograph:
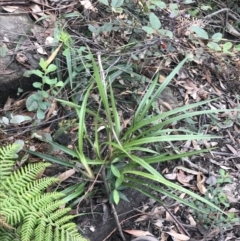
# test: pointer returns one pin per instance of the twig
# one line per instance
(112, 206)
(179, 225)
(217, 12)
(110, 234)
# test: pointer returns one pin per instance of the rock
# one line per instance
(17, 54)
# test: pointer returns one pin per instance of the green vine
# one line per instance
(26, 212)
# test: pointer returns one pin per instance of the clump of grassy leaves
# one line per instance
(125, 154)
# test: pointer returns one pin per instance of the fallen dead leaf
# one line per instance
(65, 175)
(138, 233)
(191, 220)
(164, 236)
(182, 178)
(88, 5)
(200, 183)
(178, 236)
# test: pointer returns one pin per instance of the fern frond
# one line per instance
(44, 199)
(36, 187)
(9, 235)
(4, 224)
(7, 155)
(22, 177)
(49, 233)
(40, 231)
(55, 217)
(14, 214)
(23, 205)
(49, 208)
(30, 221)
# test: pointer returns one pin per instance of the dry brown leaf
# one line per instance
(183, 179)
(191, 220)
(186, 170)
(178, 236)
(142, 218)
(164, 236)
(8, 104)
(231, 149)
(65, 175)
(159, 223)
(36, 10)
(161, 78)
(200, 184)
(54, 54)
(88, 5)
(195, 145)
(138, 233)
(218, 92)
(10, 9)
(171, 176)
(20, 103)
(52, 110)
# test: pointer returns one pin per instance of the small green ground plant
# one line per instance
(215, 194)
(125, 157)
(27, 213)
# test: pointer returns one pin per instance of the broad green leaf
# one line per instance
(116, 196)
(37, 72)
(174, 9)
(188, 1)
(148, 30)
(37, 85)
(116, 3)
(214, 46)
(154, 21)
(40, 114)
(194, 12)
(49, 81)
(115, 171)
(216, 37)
(200, 32)
(117, 10)
(237, 47)
(59, 84)
(43, 64)
(205, 7)
(227, 46)
(159, 3)
(44, 94)
(165, 32)
(3, 51)
(107, 27)
(105, 2)
(119, 181)
(51, 68)
(31, 103)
